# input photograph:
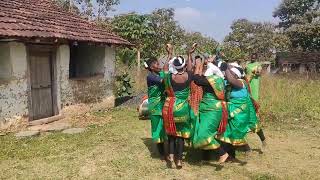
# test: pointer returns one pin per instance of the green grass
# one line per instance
(121, 147)
(290, 101)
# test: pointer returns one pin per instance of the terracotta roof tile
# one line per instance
(43, 18)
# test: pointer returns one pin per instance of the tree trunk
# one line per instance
(99, 11)
(70, 5)
(138, 60)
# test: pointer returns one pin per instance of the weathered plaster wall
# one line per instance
(85, 90)
(13, 91)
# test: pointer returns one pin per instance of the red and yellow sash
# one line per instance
(168, 107)
(195, 97)
(218, 88)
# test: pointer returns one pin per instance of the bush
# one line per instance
(124, 85)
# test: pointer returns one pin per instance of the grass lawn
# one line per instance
(121, 148)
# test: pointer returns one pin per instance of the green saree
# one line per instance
(254, 121)
(155, 104)
(210, 115)
(253, 76)
(177, 111)
(239, 114)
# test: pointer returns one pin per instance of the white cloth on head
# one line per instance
(234, 64)
(145, 65)
(181, 61)
(237, 72)
(213, 70)
(174, 69)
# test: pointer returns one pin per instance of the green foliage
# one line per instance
(68, 5)
(205, 44)
(233, 52)
(124, 85)
(166, 30)
(301, 21)
(150, 33)
(133, 27)
(91, 9)
(126, 56)
(249, 37)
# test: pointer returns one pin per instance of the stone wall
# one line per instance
(14, 88)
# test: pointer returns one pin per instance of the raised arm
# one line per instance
(232, 80)
(198, 67)
(190, 52)
(169, 49)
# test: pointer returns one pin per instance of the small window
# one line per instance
(5, 63)
(86, 61)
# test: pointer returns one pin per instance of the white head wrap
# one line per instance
(174, 69)
(236, 70)
(145, 65)
(234, 64)
(213, 69)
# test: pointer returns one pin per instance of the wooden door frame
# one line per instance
(54, 93)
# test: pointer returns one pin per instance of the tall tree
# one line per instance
(300, 20)
(205, 44)
(150, 33)
(251, 37)
(91, 9)
(136, 28)
(166, 29)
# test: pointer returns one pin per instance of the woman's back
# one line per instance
(180, 82)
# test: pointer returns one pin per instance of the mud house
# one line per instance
(50, 58)
(299, 62)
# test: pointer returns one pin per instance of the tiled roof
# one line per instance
(298, 57)
(44, 19)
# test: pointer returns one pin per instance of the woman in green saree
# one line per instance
(155, 103)
(238, 109)
(253, 73)
(213, 114)
(176, 110)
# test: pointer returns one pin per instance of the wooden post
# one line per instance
(138, 60)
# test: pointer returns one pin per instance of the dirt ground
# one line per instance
(121, 148)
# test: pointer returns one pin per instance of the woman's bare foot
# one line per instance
(178, 164)
(170, 161)
(264, 143)
(223, 158)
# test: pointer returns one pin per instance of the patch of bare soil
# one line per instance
(83, 115)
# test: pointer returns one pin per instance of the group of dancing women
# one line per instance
(207, 102)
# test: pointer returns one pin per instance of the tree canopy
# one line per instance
(150, 32)
(300, 20)
(248, 37)
(91, 9)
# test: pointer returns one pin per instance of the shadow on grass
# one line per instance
(192, 156)
(195, 158)
(258, 151)
(151, 147)
(121, 100)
